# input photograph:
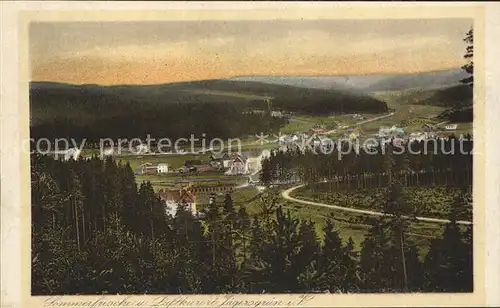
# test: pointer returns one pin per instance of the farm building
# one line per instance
(277, 114)
(417, 136)
(149, 168)
(72, 153)
(319, 131)
(238, 165)
(221, 160)
(172, 198)
(247, 162)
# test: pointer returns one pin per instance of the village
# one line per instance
(322, 137)
(196, 179)
(187, 178)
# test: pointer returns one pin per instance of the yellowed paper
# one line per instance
(84, 56)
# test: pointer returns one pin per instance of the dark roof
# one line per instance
(240, 157)
(219, 156)
(180, 196)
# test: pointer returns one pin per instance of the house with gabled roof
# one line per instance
(149, 168)
(238, 165)
(222, 159)
(172, 198)
(247, 162)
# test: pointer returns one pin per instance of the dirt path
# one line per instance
(286, 195)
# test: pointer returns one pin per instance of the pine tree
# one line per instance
(220, 225)
(46, 199)
(387, 241)
(128, 189)
(449, 264)
(57, 265)
(193, 253)
(76, 202)
(469, 54)
(279, 257)
(336, 262)
(113, 199)
(151, 213)
(307, 260)
(242, 228)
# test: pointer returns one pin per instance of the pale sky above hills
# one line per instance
(162, 52)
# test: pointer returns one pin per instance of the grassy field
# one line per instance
(349, 225)
(354, 225)
(408, 107)
(226, 94)
(255, 145)
(427, 201)
(174, 161)
(304, 123)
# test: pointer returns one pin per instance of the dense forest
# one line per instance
(95, 231)
(215, 108)
(174, 121)
(427, 162)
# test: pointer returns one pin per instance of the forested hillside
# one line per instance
(215, 108)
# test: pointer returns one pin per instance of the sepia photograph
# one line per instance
(207, 154)
(251, 156)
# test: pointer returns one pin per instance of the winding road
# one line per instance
(286, 195)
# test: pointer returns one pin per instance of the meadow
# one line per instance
(349, 225)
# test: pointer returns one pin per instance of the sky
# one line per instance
(154, 52)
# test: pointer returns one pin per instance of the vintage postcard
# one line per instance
(248, 155)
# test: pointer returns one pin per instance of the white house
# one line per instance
(172, 198)
(238, 165)
(417, 136)
(247, 162)
(277, 114)
(162, 168)
(68, 154)
(149, 168)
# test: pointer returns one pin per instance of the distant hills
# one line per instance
(368, 83)
(453, 97)
(80, 108)
(212, 107)
(56, 96)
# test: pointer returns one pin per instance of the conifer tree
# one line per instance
(449, 264)
(243, 228)
(193, 253)
(76, 202)
(469, 54)
(308, 258)
(129, 197)
(336, 261)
